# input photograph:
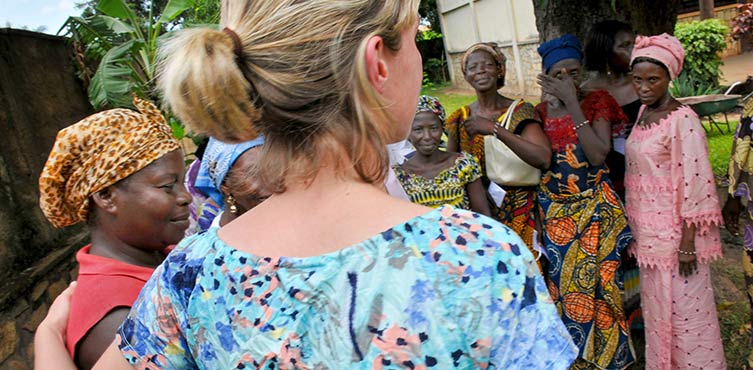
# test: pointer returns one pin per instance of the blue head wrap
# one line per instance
(566, 46)
(218, 159)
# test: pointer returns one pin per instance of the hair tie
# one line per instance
(237, 45)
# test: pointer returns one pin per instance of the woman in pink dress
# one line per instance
(674, 215)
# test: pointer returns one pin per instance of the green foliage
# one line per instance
(427, 35)
(116, 43)
(426, 82)
(703, 41)
(123, 46)
(685, 85)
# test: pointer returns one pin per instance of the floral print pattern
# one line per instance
(447, 188)
(448, 289)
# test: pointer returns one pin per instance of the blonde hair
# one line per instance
(300, 79)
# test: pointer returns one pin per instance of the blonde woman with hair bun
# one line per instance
(330, 272)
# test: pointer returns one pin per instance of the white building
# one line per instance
(509, 23)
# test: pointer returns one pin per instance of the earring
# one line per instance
(231, 204)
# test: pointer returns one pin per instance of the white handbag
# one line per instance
(503, 166)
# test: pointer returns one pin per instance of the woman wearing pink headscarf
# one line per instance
(674, 215)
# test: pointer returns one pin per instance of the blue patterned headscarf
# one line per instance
(431, 104)
(218, 159)
(564, 47)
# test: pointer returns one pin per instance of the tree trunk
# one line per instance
(707, 9)
(648, 17)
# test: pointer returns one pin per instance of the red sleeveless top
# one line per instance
(103, 284)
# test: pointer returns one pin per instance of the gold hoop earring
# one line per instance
(232, 207)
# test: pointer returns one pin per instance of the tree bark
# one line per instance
(707, 9)
(648, 17)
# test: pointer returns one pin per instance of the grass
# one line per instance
(720, 146)
(451, 100)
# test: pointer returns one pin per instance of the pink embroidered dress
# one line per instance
(669, 182)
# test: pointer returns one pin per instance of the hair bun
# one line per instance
(205, 86)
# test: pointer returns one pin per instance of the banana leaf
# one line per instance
(114, 81)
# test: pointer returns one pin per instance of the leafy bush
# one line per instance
(684, 85)
(742, 24)
(703, 41)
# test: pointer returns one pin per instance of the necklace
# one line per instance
(648, 111)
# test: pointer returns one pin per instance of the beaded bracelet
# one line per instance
(577, 127)
(686, 253)
(497, 125)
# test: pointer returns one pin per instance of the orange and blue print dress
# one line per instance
(585, 233)
(447, 289)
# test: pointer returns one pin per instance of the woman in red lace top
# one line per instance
(585, 228)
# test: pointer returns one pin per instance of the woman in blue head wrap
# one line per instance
(225, 177)
(585, 228)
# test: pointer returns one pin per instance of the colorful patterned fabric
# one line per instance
(218, 159)
(570, 172)
(97, 152)
(447, 188)
(206, 213)
(432, 105)
(517, 210)
(197, 198)
(748, 272)
(585, 234)
(741, 170)
(670, 183)
(448, 289)
(740, 182)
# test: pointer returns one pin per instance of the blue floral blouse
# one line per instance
(448, 289)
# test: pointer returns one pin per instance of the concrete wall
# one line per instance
(509, 23)
(39, 95)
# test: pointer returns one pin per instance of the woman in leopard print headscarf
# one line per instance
(122, 172)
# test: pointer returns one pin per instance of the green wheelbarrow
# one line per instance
(706, 106)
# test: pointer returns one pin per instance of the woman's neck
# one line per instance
(105, 244)
(434, 157)
(489, 100)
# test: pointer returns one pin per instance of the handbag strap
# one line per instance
(507, 117)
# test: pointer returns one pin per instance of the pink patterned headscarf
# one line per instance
(663, 48)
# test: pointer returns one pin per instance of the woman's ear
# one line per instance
(105, 200)
(225, 190)
(376, 66)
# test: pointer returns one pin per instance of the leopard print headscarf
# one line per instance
(97, 152)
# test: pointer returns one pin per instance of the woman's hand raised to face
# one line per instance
(562, 86)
